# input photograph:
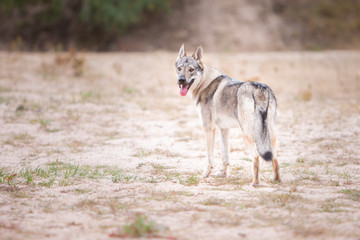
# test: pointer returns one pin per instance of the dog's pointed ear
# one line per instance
(182, 52)
(198, 53)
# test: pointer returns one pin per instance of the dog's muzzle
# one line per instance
(182, 81)
(184, 86)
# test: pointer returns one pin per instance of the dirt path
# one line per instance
(90, 143)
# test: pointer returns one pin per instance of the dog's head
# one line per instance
(189, 69)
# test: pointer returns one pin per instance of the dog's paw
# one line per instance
(206, 172)
(221, 174)
(255, 184)
(276, 181)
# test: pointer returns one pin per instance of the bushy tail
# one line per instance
(261, 130)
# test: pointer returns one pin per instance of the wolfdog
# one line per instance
(224, 102)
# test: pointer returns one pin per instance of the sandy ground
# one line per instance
(90, 143)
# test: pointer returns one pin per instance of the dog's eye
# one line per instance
(179, 69)
(191, 69)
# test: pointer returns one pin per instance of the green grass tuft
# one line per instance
(140, 227)
(353, 194)
(190, 181)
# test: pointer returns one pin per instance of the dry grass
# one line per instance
(98, 142)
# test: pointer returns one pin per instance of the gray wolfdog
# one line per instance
(225, 103)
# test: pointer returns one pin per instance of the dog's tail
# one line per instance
(261, 126)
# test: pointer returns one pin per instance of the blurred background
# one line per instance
(95, 135)
(148, 25)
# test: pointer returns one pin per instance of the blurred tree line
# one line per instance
(95, 24)
(323, 24)
(34, 24)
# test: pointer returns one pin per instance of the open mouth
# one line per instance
(184, 88)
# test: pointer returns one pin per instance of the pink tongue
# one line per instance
(183, 90)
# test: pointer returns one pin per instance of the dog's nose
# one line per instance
(182, 81)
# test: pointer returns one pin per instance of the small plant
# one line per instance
(316, 163)
(117, 178)
(168, 177)
(87, 95)
(81, 191)
(330, 206)
(128, 90)
(246, 159)
(10, 178)
(65, 182)
(152, 180)
(78, 66)
(352, 193)
(42, 173)
(158, 168)
(212, 201)
(71, 171)
(301, 160)
(334, 183)
(7, 177)
(28, 175)
(47, 184)
(123, 178)
(20, 108)
(284, 198)
(306, 95)
(141, 227)
(20, 137)
(97, 173)
(44, 122)
(142, 153)
(191, 180)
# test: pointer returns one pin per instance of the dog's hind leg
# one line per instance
(210, 138)
(246, 116)
(275, 163)
(271, 124)
(224, 134)
(276, 170)
(254, 154)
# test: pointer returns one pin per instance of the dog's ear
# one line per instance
(182, 52)
(198, 53)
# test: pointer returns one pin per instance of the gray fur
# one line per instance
(223, 103)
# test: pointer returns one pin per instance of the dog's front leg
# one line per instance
(210, 137)
(224, 133)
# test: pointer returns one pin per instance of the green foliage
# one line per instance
(117, 15)
(79, 21)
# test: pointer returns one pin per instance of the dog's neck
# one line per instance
(208, 75)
